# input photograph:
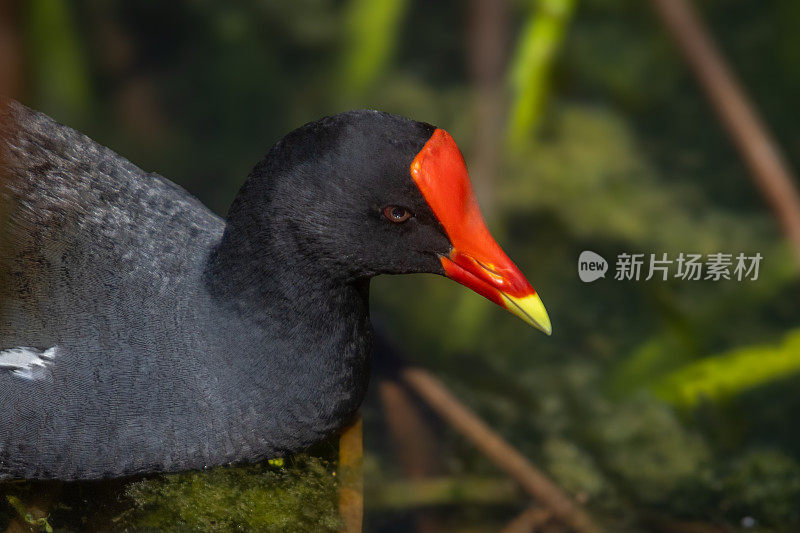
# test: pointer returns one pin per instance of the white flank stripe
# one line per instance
(27, 363)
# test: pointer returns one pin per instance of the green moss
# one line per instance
(300, 496)
(37, 524)
(643, 446)
(763, 484)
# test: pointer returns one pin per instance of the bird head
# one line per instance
(366, 193)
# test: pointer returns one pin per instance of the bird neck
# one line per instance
(296, 339)
(264, 275)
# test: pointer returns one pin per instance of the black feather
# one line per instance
(183, 340)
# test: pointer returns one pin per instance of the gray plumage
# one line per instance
(181, 342)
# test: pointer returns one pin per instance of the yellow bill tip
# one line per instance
(530, 309)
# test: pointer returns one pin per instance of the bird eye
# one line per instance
(397, 214)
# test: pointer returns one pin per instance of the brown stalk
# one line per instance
(495, 448)
(739, 117)
(351, 480)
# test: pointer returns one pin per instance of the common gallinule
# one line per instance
(141, 333)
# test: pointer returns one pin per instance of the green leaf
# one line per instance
(725, 375)
(60, 76)
(532, 62)
(371, 35)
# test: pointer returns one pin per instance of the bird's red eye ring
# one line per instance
(396, 214)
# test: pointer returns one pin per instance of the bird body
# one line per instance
(140, 332)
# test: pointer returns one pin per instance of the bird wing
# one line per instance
(77, 223)
(96, 256)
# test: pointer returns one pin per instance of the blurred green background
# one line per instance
(655, 404)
